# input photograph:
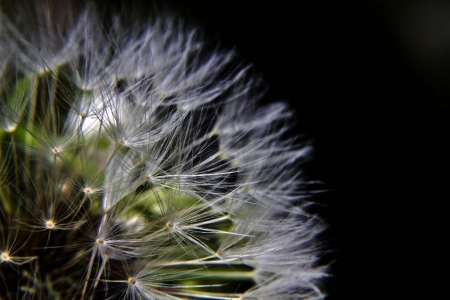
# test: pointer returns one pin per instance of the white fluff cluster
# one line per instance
(135, 165)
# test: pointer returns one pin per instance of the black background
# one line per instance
(369, 81)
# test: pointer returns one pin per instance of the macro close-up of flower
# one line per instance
(138, 162)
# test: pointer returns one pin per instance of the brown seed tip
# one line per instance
(49, 224)
(88, 191)
(5, 256)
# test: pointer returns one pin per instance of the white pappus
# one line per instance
(136, 164)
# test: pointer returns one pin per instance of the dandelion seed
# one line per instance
(132, 281)
(88, 190)
(135, 165)
(5, 256)
(50, 224)
(56, 150)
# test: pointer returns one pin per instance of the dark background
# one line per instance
(370, 83)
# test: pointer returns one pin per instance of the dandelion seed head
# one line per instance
(136, 165)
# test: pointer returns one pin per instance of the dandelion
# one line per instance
(136, 166)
